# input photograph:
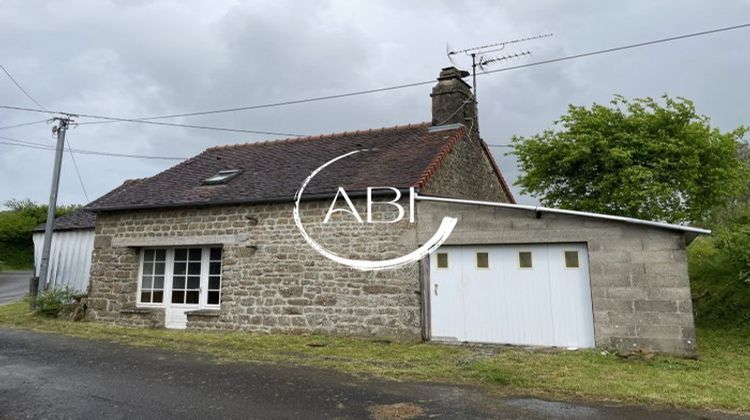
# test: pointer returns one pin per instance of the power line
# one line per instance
(78, 172)
(284, 103)
(31, 98)
(7, 127)
(427, 82)
(144, 121)
(70, 149)
(149, 120)
(499, 145)
(620, 48)
(41, 146)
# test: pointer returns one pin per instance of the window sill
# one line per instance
(205, 313)
(140, 310)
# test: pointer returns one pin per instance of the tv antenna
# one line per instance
(480, 59)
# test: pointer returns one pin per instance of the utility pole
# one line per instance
(62, 126)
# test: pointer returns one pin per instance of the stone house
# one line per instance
(211, 244)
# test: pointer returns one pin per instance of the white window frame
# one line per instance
(518, 259)
(565, 260)
(447, 261)
(476, 260)
(169, 277)
(166, 290)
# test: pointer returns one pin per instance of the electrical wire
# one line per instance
(70, 149)
(431, 81)
(149, 120)
(31, 98)
(41, 146)
(144, 121)
(620, 48)
(7, 127)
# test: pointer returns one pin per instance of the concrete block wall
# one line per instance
(272, 280)
(639, 280)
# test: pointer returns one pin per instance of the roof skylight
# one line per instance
(221, 177)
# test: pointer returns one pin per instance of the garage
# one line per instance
(537, 294)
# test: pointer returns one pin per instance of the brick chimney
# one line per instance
(453, 101)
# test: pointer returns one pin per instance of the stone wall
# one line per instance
(639, 281)
(466, 173)
(272, 281)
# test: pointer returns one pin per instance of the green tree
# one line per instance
(16, 224)
(636, 158)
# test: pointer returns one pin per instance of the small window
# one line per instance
(442, 260)
(186, 275)
(571, 259)
(525, 259)
(214, 277)
(483, 260)
(152, 276)
(221, 177)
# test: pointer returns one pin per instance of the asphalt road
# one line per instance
(13, 285)
(54, 376)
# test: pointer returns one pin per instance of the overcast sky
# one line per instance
(143, 58)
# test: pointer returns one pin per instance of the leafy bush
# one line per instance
(51, 302)
(16, 224)
(720, 272)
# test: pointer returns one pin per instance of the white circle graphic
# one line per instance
(440, 236)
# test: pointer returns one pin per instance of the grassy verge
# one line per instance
(5, 267)
(719, 380)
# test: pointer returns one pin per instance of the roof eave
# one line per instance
(282, 199)
(631, 220)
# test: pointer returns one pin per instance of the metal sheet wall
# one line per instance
(70, 258)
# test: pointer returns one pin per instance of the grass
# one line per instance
(719, 380)
(6, 267)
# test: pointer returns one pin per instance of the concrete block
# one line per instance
(663, 242)
(685, 306)
(659, 331)
(622, 330)
(621, 244)
(653, 257)
(664, 318)
(668, 293)
(626, 293)
(616, 318)
(614, 257)
(618, 305)
(598, 291)
(655, 306)
(658, 345)
(601, 266)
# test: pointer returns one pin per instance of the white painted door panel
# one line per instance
(479, 294)
(570, 295)
(546, 304)
(446, 297)
(175, 317)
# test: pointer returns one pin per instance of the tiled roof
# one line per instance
(400, 157)
(79, 219)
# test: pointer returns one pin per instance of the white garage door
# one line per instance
(514, 294)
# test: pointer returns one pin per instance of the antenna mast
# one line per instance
(479, 58)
